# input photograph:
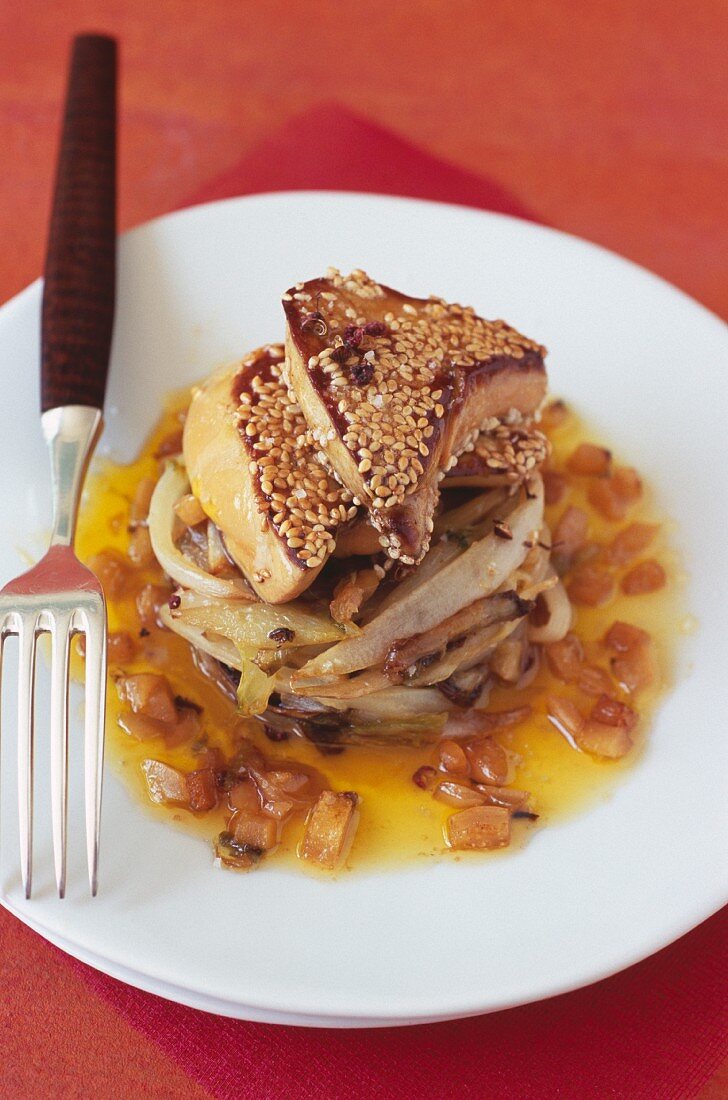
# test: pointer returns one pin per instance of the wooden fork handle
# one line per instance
(80, 268)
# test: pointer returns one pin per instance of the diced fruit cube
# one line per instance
(142, 727)
(189, 510)
(554, 415)
(565, 715)
(282, 790)
(488, 761)
(330, 827)
(150, 694)
(626, 482)
(139, 508)
(631, 541)
(595, 681)
(254, 831)
(613, 713)
(164, 783)
(648, 576)
(565, 658)
(480, 827)
(636, 669)
(600, 739)
(140, 547)
(634, 666)
(605, 499)
(589, 460)
(113, 571)
(623, 637)
(457, 794)
(504, 796)
(148, 603)
(186, 728)
(453, 758)
(202, 789)
(244, 796)
(570, 532)
(121, 648)
(590, 585)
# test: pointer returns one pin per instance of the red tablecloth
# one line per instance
(656, 1031)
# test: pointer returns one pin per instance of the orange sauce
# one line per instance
(399, 822)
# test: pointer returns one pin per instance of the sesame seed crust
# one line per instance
(505, 454)
(296, 494)
(407, 385)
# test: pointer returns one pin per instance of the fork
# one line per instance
(60, 596)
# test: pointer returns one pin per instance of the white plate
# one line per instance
(583, 899)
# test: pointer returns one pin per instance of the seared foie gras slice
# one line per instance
(253, 469)
(506, 455)
(395, 388)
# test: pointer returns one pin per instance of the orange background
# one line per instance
(606, 119)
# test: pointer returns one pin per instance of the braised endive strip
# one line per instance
(475, 573)
(448, 543)
(403, 655)
(222, 649)
(255, 685)
(266, 626)
(171, 487)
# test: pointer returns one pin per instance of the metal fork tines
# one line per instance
(62, 598)
(59, 596)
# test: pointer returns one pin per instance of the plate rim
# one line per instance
(678, 928)
(265, 1011)
(378, 196)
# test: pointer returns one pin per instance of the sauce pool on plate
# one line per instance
(617, 568)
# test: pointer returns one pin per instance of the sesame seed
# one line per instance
(386, 424)
(288, 474)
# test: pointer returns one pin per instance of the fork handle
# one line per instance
(80, 268)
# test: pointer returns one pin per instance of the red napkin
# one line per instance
(656, 1031)
(329, 148)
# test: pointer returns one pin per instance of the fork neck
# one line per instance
(71, 432)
